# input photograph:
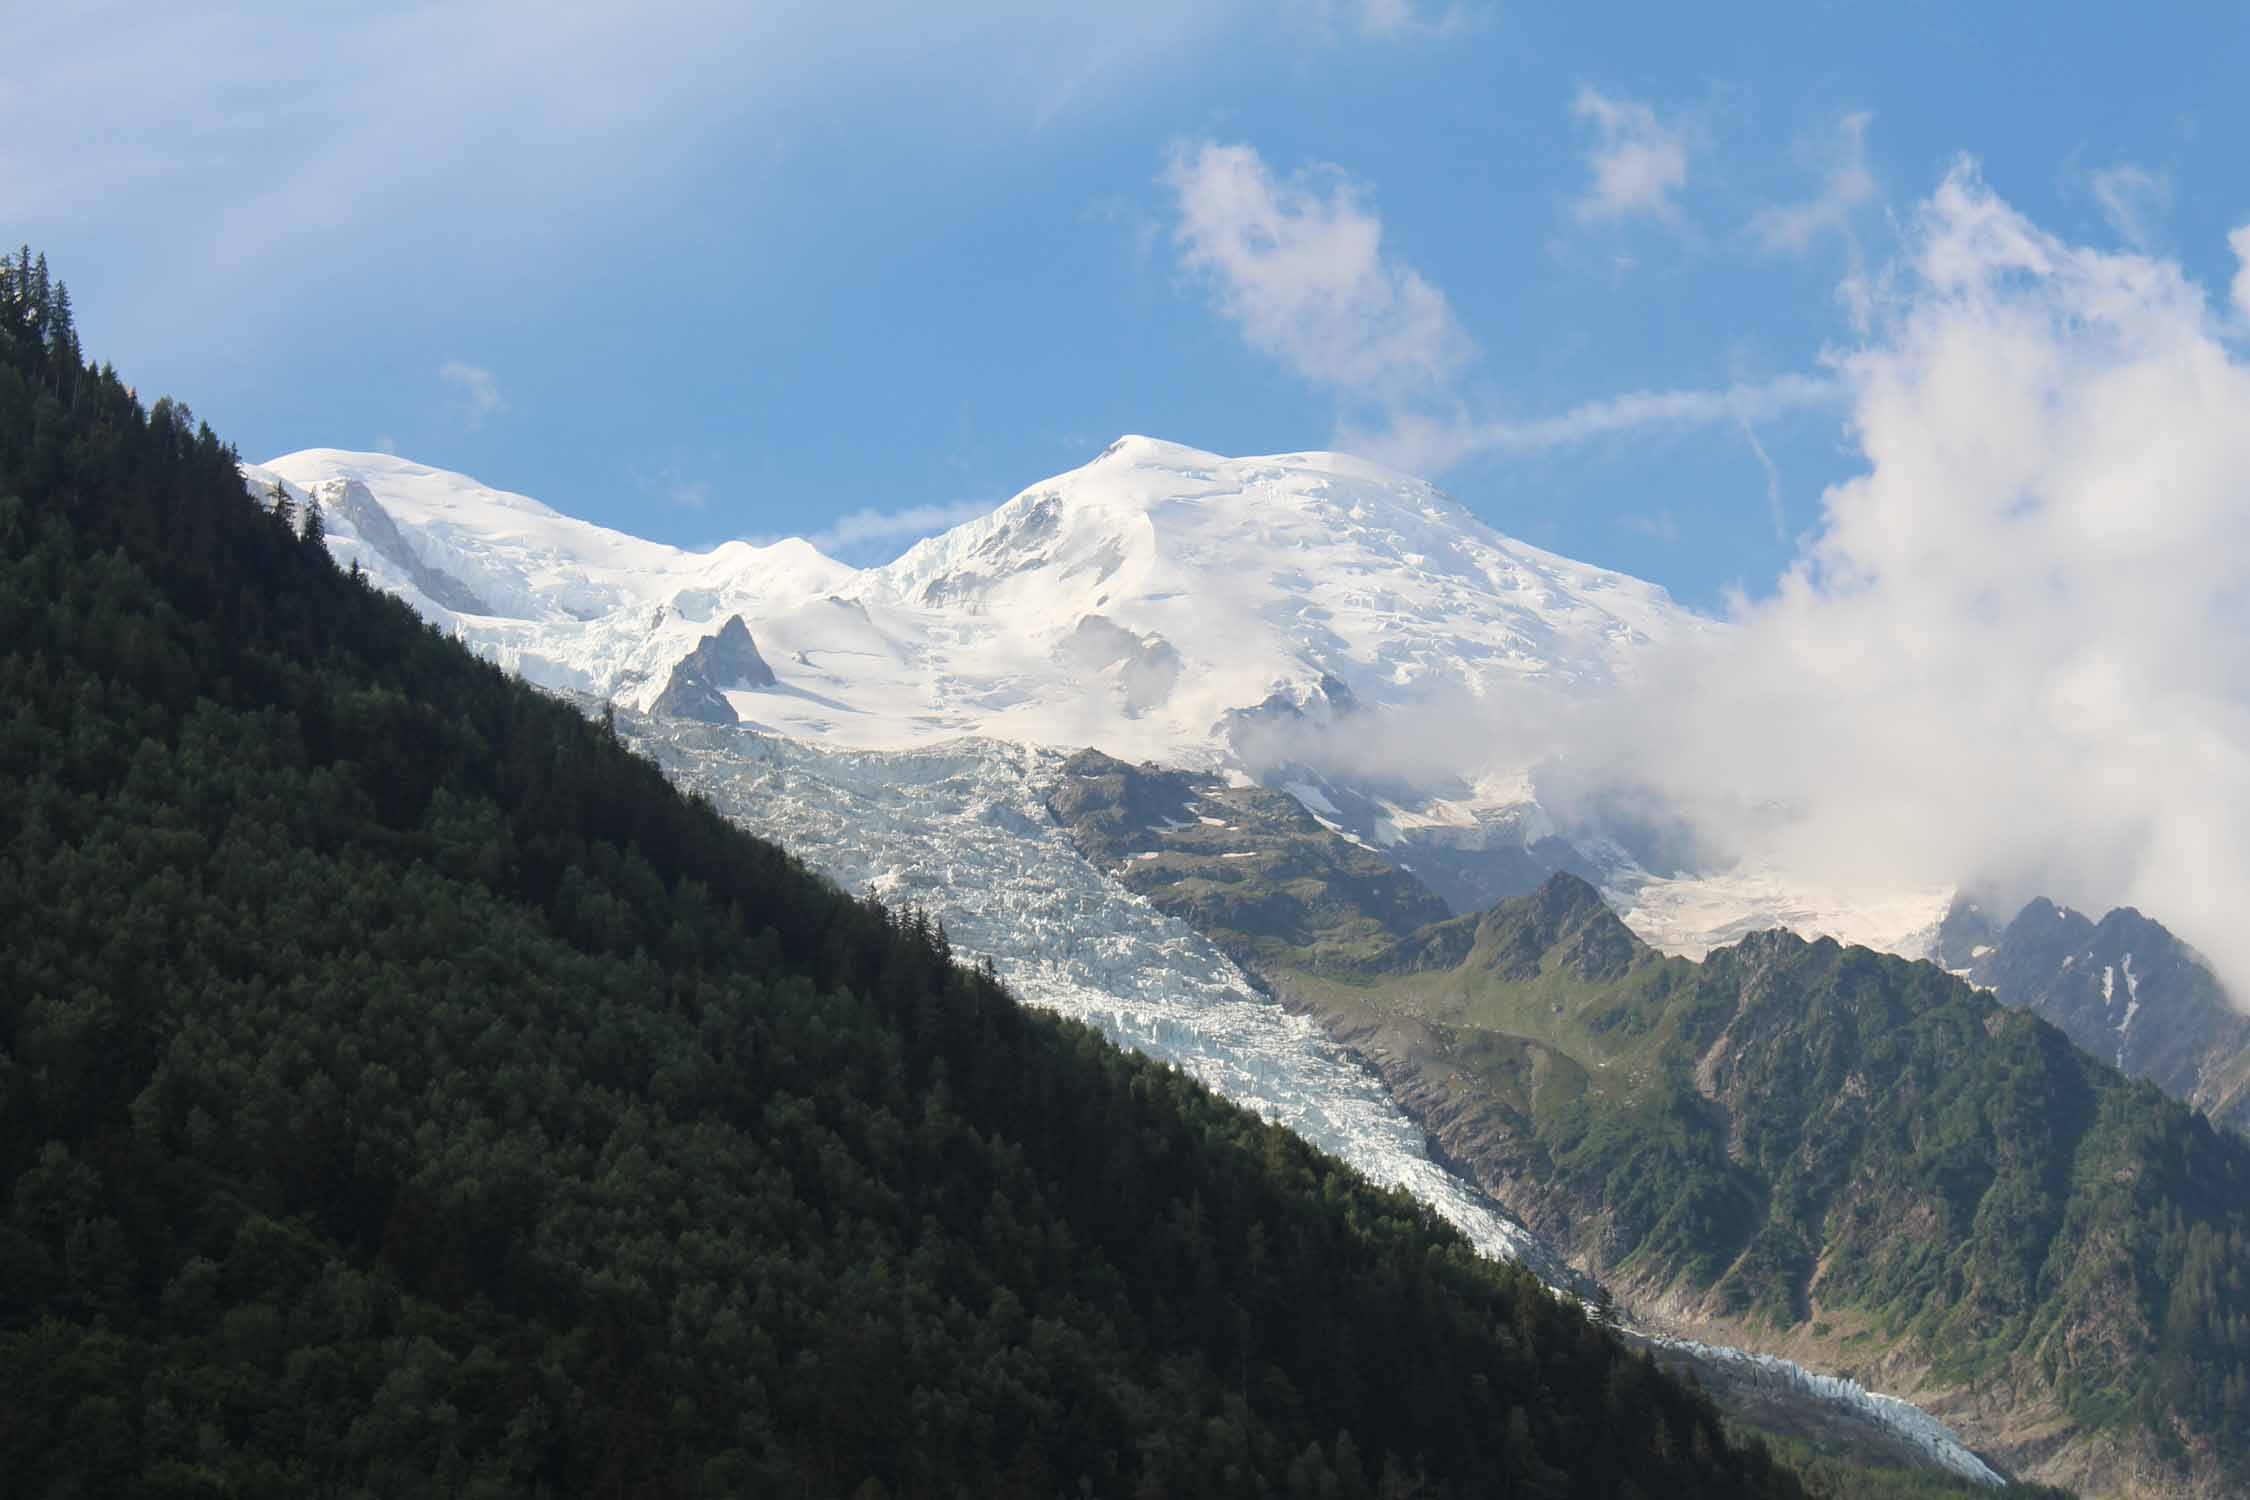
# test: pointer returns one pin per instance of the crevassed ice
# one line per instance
(962, 831)
(1925, 1433)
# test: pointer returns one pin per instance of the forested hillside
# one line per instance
(404, 1091)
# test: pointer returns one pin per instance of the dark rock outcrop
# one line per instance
(726, 659)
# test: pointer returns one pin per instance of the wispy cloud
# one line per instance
(1638, 163)
(2239, 243)
(1660, 527)
(479, 394)
(1429, 444)
(523, 136)
(2132, 199)
(868, 530)
(1298, 265)
(1773, 480)
(1846, 187)
(1394, 20)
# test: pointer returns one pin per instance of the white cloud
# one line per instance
(1638, 162)
(868, 529)
(1773, 480)
(1660, 527)
(1426, 444)
(1298, 265)
(2131, 200)
(385, 443)
(2239, 243)
(1393, 20)
(530, 141)
(479, 393)
(1846, 187)
(2016, 651)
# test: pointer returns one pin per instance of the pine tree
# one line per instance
(284, 509)
(314, 527)
(59, 326)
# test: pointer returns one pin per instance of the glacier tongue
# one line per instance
(962, 831)
(1908, 1423)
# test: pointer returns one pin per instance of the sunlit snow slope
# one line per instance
(1133, 604)
(1159, 603)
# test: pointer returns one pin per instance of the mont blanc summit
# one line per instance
(1312, 621)
(1135, 603)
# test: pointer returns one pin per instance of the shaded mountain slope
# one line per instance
(404, 1090)
(2124, 989)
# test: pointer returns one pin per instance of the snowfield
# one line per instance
(1160, 603)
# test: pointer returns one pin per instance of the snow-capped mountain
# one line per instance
(1143, 603)
(900, 727)
(1311, 621)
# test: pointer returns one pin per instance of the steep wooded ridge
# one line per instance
(403, 1090)
(2123, 988)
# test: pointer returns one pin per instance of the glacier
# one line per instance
(962, 831)
(1907, 1423)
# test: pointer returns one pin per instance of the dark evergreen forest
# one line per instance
(404, 1091)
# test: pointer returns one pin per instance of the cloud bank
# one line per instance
(2016, 651)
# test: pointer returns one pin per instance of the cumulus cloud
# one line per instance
(1846, 187)
(2131, 200)
(1638, 162)
(1298, 264)
(479, 393)
(2015, 653)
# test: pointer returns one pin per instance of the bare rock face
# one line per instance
(727, 659)
(2124, 989)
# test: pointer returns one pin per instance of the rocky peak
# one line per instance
(727, 658)
(1566, 918)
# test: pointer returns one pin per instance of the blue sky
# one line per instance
(710, 271)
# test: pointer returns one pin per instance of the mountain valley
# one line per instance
(1305, 881)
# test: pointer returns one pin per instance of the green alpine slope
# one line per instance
(1846, 1157)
